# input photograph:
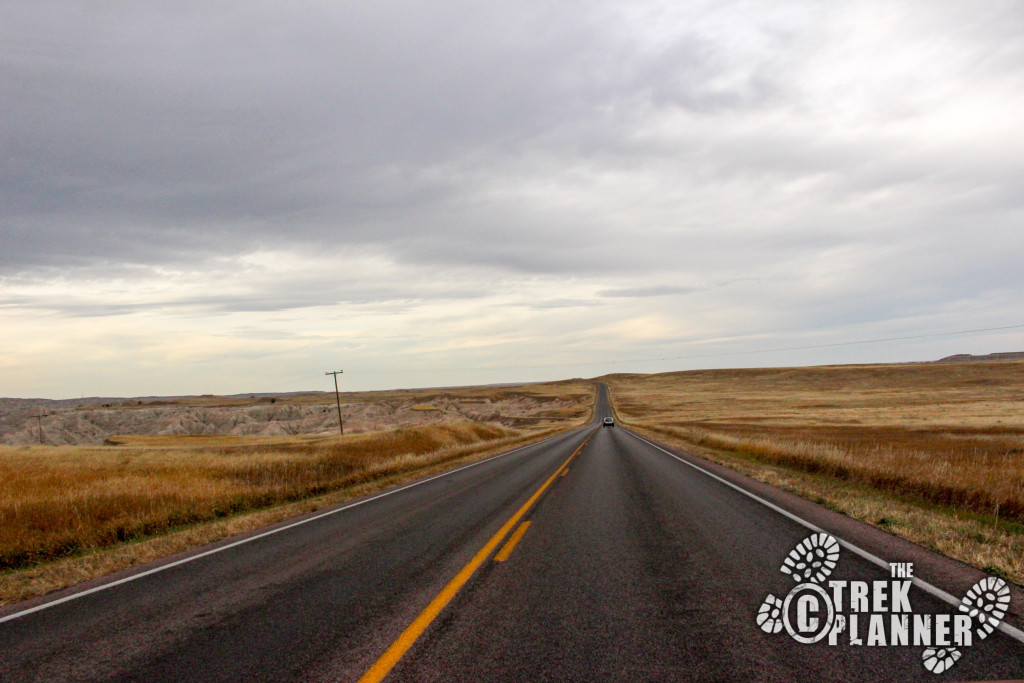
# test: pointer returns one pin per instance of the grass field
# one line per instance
(67, 502)
(948, 437)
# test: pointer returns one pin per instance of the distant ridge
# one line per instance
(969, 358)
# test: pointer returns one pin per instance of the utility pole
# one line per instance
(40, 419)
(337, 398)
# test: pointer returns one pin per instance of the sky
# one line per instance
(233, 197)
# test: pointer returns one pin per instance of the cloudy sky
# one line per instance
(221, 197)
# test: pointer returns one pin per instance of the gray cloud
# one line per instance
(133, 130)
(782, 166)
(634, 292)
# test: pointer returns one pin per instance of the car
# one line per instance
(609, 422)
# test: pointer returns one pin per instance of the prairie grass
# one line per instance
(948, 435)
(66, 500)
(967, 470)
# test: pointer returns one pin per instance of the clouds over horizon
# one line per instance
(705, 170)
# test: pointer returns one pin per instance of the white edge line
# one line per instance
(250, 539)
(1009, 630)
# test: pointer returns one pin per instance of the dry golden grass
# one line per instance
(37, 579)
(61, 501)
(946, 435)
(71, 513)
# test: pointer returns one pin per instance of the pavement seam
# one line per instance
(512, 542)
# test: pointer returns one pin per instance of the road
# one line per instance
(593, 556)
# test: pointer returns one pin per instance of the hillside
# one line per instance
(93, 421)
(969, 358)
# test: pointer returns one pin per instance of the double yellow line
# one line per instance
(394, 653)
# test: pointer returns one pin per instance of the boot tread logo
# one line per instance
(876, 613)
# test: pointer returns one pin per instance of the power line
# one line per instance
(696, 356)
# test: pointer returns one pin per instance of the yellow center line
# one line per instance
(387, 661)
(565, 471)
(510, 544)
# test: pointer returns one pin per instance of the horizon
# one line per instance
(970, 358)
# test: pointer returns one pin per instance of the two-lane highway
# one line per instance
(594, 556)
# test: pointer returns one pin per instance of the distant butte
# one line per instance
(968, 358)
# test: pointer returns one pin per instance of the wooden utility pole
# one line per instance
(40, 419)
(337, 398)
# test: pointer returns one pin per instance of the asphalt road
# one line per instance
(631, 565)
